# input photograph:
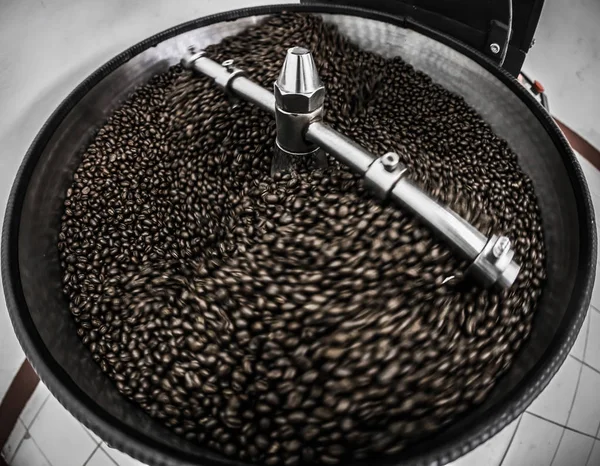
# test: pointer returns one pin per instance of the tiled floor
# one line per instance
(560, 428)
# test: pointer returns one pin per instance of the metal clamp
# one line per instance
(188, 60)
(225, 80)
(383, 174)
(494, 264)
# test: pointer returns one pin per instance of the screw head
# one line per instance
(227, 63)
(502, 245)
(495, 48)
(390, 161)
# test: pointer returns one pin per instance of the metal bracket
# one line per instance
(383, 174)
(494, 263)
(496, 40)
(225, 81)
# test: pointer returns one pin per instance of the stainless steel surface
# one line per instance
(383, 174)
(456, 231)
(338, 145)
(299, 99)
(390, 161)
(501, 247)
(283, 160)
(249, 90)
(494, 264)
(291, 128)
(299, 88)
(230, 79)
(226, 81)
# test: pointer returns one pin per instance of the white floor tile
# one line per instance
(592, 175)
(595, 456)
(596, 294)
(121, 458)
(578, 348)
(585, 414)
(13, 441)
(100, 458)
(555, 402)
(60, 436)
(35, 403)
(573, 450)
(492, 451)
(592, 350)
(29, 454)
(534, 444)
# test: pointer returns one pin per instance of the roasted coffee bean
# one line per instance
(294, 318)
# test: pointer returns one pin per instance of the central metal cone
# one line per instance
(299, 74)
(299, 98)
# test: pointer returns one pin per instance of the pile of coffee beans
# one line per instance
(294, 318)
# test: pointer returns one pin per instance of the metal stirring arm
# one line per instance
(298, 108)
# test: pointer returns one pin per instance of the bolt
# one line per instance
(495, 48)
(502, 245)
(390, 161)
(227, 63)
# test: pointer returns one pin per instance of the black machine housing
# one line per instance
(476, 23)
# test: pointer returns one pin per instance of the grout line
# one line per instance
(562, 434)
(20, 441)
(589, 453)
(511, 440)
(598, 431)
(41, 451)
(19, 392)
(91, 455)
(106, 453)
(578, 379)
(587, 461)
(585, 364)
(89, 433)
(563, 426)
(38, 411)
(587, 332)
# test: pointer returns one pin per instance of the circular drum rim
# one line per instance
(127, 439)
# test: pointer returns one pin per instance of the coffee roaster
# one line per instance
(474, 49)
